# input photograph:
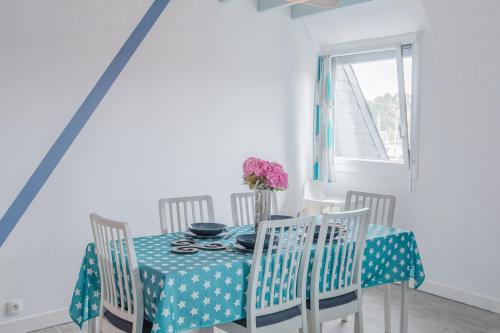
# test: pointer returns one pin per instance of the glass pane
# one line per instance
(367, 113)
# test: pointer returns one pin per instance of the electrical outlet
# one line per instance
(14, 307)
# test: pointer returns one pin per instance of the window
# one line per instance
(374, 101)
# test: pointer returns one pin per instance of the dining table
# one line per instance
(198, 291)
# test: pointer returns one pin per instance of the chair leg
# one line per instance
(387, 308)
(358, 320)
(305, 322)
(316, 328)
(314, 325)
(404, 307)
(93, 325)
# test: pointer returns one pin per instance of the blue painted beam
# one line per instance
(270, 4)
(78, 121)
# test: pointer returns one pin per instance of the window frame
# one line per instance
(407, 169)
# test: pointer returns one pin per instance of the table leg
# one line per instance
(207, 329)
(387, 308)
(404, 307)
(92, 325)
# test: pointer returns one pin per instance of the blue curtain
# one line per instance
(324, 102)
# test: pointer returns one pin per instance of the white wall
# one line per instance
(212, 84)
(453, 212)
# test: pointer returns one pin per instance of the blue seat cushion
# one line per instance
(335, 301)
(272, 318)
(125, 325)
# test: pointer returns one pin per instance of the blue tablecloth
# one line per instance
(189, 291)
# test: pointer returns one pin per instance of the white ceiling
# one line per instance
(372, 19)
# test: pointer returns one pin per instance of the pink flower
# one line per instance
(255, 166)
(264, 174)
(252, 165)
(276, 177)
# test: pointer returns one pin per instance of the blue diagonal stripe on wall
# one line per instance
(78, 121)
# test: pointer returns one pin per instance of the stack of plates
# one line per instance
(206, 230)
(329, 232)
(247, 241)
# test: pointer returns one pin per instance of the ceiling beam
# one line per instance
(300, 10)
(304, 10)
(263, 5)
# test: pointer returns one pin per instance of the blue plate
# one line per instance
(280, 217)
(207, 228)
(248, 241)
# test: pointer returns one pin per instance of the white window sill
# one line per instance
(372, 168)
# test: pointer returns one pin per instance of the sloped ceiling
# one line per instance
(22, 20)
(371, 19)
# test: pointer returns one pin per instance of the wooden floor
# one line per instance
(428, 313)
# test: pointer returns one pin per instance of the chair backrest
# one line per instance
(278, 275)
(121, 290)
(177, 213)
(243, 207)
(381, 206)
(313, 190)
(339, 251)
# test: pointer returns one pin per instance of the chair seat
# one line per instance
(335, 301)
(272, 318)
(125, 325)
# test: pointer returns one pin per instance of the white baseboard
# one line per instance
(462, 296)
(495, 306)
(36, 322)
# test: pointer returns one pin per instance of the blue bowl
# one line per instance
(248, 240)
(280, 217)
(207, 228)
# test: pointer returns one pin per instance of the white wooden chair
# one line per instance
(381, 206)
(177, 213)
(336, 282)
(243, 207)
(316, 202)
(122, 308)
(381, 212)
(282, 305)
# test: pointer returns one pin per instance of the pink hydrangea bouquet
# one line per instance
(264, 175)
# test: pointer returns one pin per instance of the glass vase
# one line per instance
(262, 206)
